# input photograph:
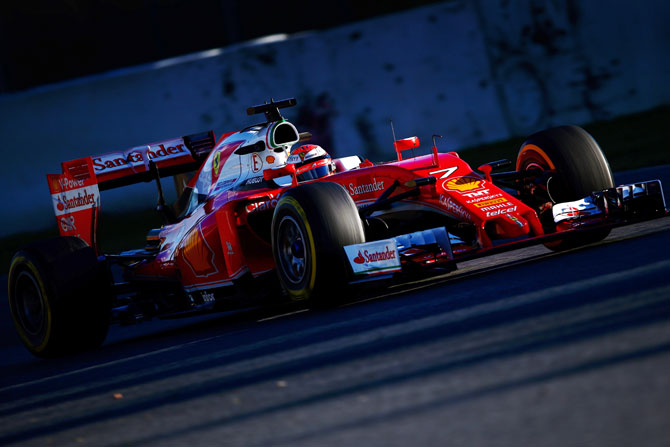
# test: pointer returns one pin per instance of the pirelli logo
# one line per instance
(491, 202)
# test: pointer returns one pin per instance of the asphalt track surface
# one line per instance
(523, 348)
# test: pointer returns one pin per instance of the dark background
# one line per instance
(43, 42)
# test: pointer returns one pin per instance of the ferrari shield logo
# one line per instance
(216, 165)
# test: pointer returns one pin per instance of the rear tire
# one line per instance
(58, 297)
(311, 224)
(580, 165)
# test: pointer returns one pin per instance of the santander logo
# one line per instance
(136, 156)
(375, 256)
(372, 258)
(366, 188)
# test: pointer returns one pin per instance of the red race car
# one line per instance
(259, 221)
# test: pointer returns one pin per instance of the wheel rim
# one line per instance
(292, 251)
(30, 310)
(533, 161)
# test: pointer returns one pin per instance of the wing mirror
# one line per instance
(271, 174)
(258, 146)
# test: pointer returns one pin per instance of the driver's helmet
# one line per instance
(311, 162)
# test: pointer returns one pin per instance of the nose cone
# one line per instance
(511, 226)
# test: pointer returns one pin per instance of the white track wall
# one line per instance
(472, 71)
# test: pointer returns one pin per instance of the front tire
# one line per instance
(311, 224)
(579, 168)
(57, 297)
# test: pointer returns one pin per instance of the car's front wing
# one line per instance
(434, 248)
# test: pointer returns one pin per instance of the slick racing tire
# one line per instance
(580, 169)
(310, 225)
(58, 297)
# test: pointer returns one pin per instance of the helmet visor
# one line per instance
(315, 173)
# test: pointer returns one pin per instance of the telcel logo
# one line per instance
(500, 211)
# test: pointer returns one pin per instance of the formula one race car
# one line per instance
(258, 221)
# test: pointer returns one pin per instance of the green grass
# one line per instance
(629, 142)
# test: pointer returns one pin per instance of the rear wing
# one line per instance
(75, 192)
(171, 157)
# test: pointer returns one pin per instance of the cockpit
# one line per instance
(238, 160)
